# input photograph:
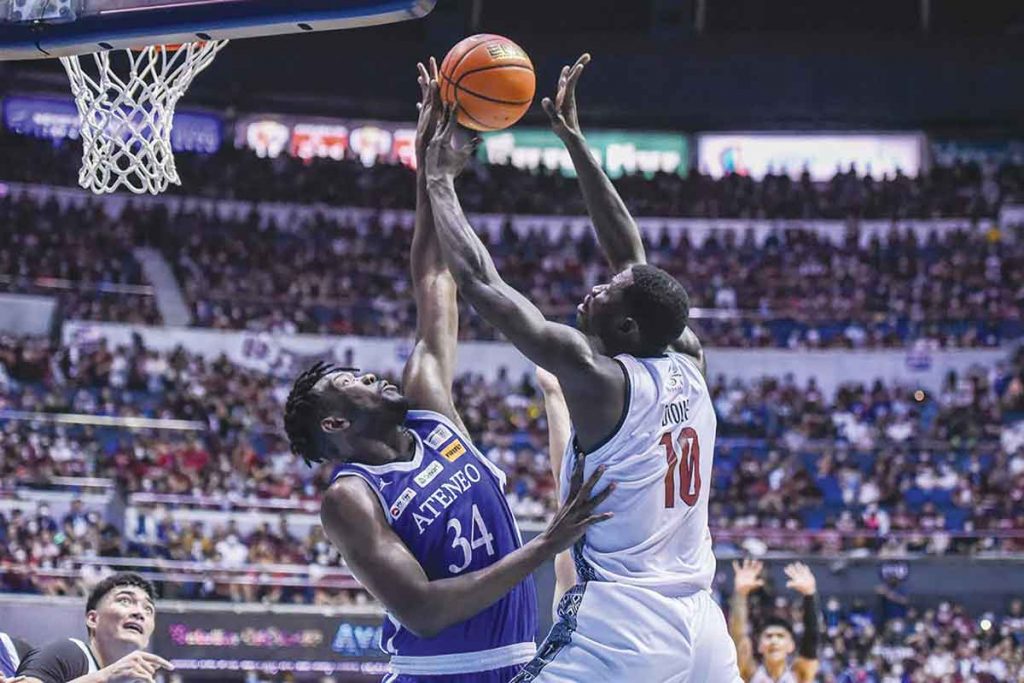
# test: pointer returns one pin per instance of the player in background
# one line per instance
(632, 374)
(12, 651)
(120, 617)
(559, 433)
(418, 513)
(775, 642)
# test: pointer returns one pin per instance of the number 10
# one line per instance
(687, 456)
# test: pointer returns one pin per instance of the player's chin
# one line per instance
(581, 319)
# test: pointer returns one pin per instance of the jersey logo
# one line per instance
(453, 451)
(429, 472)
(438, 436)
(402, 502)
(384, 483)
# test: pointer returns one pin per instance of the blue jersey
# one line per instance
(448, 506)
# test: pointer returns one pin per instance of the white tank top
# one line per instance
(660, 457)
(761, 676)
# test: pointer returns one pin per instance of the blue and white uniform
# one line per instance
(448, 505)
(642, 608)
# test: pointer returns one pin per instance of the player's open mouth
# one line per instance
(386, 386)
(132, 626)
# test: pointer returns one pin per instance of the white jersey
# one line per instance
(660, 458)
(762, 676)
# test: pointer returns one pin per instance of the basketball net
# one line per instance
(127, 120)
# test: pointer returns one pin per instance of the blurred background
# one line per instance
(840, 186)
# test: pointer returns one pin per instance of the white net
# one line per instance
(127, 119)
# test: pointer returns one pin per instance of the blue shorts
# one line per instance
(503, 675)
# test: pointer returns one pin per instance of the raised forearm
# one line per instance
(466, 256)
(425, 258)
(451, 601)
(810, 638)
(616, 230)
(739, 618)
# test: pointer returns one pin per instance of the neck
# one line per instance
(775, 667)
(110, 653)
(398, 445)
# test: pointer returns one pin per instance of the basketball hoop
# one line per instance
(127, 120)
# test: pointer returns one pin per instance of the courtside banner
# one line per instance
(214, 642)
(57, 118)
(757, 154)
(618, 151)
(372, 142)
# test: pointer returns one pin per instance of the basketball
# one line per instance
(492, 79)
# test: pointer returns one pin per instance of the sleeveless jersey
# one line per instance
(761, 676)
(660, 457)
(448, 506)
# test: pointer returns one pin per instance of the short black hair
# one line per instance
(777, 622)
(302, 414)
(660, 306)
(108, 584)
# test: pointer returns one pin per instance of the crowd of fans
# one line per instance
(349, 275)
(81, 256)
(795, 289)
(869, 469)
(963, 189)
(892, 640)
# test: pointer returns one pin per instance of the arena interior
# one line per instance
(839, 186)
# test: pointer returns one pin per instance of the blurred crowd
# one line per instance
(870, 469)
(962, 189)
(889, 639)
(81, 256)
(347, 274)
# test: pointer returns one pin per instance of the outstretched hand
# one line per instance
(562, 111)
(747, 576)
(572, 519)
(801, 578)
(446, 160)
(429, 108)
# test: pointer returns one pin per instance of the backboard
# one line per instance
(42, 29)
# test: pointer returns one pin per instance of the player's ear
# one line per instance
(92, 618)
(334, 424)
(628, 326)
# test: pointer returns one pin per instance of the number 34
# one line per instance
(683, 451)
(479, 536)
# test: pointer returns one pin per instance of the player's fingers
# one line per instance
(574, 77)
(576, 483)
(433, 69)
(552, 111)
(594, 501)
(591, 482)
(597, 519)
(157, 660)
(735, 567)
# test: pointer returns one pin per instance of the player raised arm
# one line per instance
(560, 349)
(801, 579)
(746, 579)
(429, 372)
(354, 521)
(559, 432)
(617, 232)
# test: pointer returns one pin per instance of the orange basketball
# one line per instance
(492, 78)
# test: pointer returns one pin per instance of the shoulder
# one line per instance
(59, 661)
(350, 507)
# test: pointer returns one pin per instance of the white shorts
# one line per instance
(616, 632)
